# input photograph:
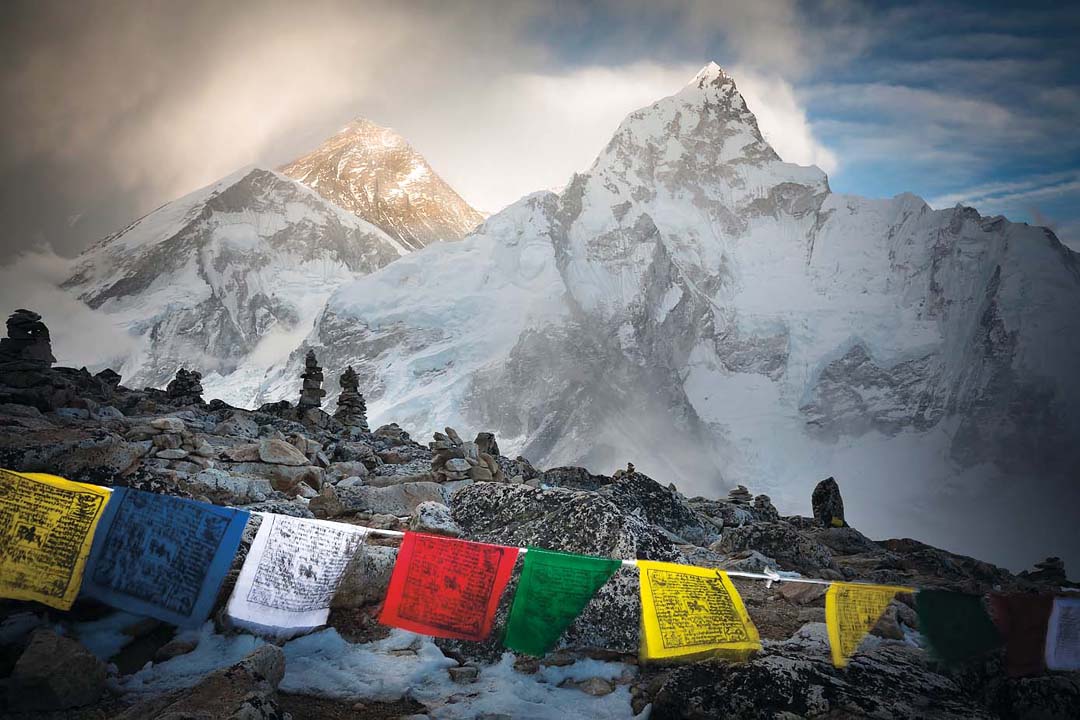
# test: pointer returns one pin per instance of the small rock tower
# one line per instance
(351, 408)
(27, 346)
(312, 394)
(186, 388)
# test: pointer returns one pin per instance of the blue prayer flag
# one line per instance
(161, 556)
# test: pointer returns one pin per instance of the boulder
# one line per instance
(828, 505)
(355, 451)
(393, 434)
(279, 452)
(326, 504)
(237, 424)
(340, 470)
(435, 518)
(576, 478)
(397, 500)
(244, 452)
(54, 673)
(795, 679)
(245, 691)
(640, 495)
(223, 488)
(779, 541)
(366, 578)
(284, 478)
(98, 460)
(169, 424)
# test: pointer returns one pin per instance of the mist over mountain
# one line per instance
(695, 305)
(690, 303)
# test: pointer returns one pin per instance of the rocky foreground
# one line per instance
(300, 460)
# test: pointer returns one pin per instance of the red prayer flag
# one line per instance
(1022, 618)
(445, 587)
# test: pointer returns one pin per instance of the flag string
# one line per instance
(769, 576)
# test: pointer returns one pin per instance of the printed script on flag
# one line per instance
(162, 556)
(1063, 634)
(447, 588)
(553, 590)
(46, 530)
(851, 611)
(690, 612)
(291, 572)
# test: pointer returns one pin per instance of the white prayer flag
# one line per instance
(291, 572)
(1063, 635)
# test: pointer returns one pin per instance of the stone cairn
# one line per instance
(27, 346)
(351, 408)
(454, 459)
(740, 496)
(186, 388)
(828, 505)
(312, 394)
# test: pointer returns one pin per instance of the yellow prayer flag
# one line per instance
(851, 611)
(691, 612)
(46, 530)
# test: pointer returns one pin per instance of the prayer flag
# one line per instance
(162, 556)
(46, 530)
(1022, 618)
(1063, 634)
(956, 625)
(291, 572)
(690, 612)
(445, 587)
(851, 611)
(553, 590)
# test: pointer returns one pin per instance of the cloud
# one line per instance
(1014, 193)
(80, 336)
(114, 109)
(536, 129)
(782, 119)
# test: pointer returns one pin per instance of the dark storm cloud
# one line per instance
(112, 108)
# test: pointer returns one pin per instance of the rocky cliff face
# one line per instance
(94, 429)
(716, 315)
(203, 280)
(373, 172)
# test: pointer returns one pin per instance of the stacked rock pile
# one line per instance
(740, 496)
(455, 459)
(186, 388)
(27, 346)
(351, 408)
(312, 393)
(170, 440)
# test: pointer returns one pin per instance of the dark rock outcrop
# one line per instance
(828, 505)
(54, 673)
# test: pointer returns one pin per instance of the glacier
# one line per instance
(695, 305)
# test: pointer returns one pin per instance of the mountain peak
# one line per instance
(372, 171)
(711, 74)
(362, 130)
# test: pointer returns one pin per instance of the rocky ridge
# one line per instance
(695, 303)
(372, 171)
(92, 428)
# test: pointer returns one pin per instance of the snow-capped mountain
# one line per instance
(696, 305)
(373, 172)
(232, 272)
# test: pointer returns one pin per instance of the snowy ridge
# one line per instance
(373, 172)
(697, 306)
(204, 281)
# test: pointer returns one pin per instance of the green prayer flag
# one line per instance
(956, 625)
(553, 590)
